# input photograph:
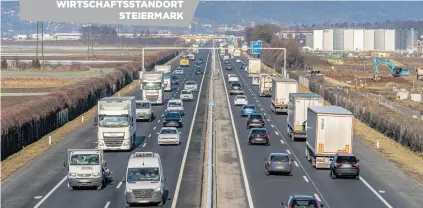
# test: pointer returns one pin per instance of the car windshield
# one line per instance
(279, 158)
(304, 204)
(143, 105)
(143, 174)
(84, 159)
(168, 131)
(346, 159)
(174, 77)
(172, 115)
(258, 131)
(190, 83)
(186, 92)
(179, 69)
(241, 97)
(256, 116)
(113, 120)
(152, 86)
(236, 85)
(174, 104)
(249, 107)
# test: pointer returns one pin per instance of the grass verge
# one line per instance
(34, 82)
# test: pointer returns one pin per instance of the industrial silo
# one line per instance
(348, 40)
(338, 39)
(411, 39)
(389, 40)
(358, 40)
(380, 40)
(328, 40)
(318, 39)
(309, 40)
(369, 40)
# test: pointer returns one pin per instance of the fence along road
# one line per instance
(41, 183)
(382, 184)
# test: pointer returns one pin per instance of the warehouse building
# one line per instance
(364, 40)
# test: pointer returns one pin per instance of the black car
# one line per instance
(345, 164)
(255, 120)
(172, 119)
(228, 67)
(175, 80)
(302, 201)
(258, 136)
(198, 71)
(236, 89)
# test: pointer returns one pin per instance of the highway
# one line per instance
(42, 183)
(381, 184)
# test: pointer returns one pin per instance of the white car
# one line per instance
(179, 71)
(256, 81)
(238, 61)
(168, 135)
(175, 105)
(190, 85)
(241, 100)
(186, 95)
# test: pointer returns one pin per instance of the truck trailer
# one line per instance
(167, 76)
(281, 87)
(116, 123)
(152, 87)
(297, 113)
(265, 85)
(254, 67)
(329, 131)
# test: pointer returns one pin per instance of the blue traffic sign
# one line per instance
(256, 47)
(230, 38)
(211, 103)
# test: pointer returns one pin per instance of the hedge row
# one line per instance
(27, 122)
(403, 129)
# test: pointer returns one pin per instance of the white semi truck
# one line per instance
(329, 131)
(254, 67)
(281, 87)
(152, 87)
(167, 76)
(297, 113)
(116, 122)
(237, 52)
(265, 85)
(231, 49)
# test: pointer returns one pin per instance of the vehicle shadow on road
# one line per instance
(139, 140)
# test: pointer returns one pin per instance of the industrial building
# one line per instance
(363, 40)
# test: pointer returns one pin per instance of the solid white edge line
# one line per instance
(306, 179)
(50, 192)
(241, 159)
(317, 197)
(181, 170)
(375, 192)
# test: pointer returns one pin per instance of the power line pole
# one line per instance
(36, 50)
(92, 39)
(42, 42)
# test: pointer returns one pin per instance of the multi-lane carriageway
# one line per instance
(42, 183)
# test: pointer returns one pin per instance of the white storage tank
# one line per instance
(369, 40)
(318, 39)
(358, 40)
(402, 95)
(416, 97)
(380, 40)
(328, 40)
(348, 40)
(400, 40)
(338, 39)
(390, 40)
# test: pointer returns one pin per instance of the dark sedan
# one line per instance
(255, 120)
(258, 136)
(345, 165)
(172, 119)
(302, 201)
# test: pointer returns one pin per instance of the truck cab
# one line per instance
(144, 179)
(116, 123)
(86, 168)
(153, 87)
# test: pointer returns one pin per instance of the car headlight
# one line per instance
(96, 174)
(72, 174)
(157, 189)
(129, 190)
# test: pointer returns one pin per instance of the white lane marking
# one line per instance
(149, 135)
(38, 197)
(276, 133)
(282, 141)
(272, 126)
(268, 120)
(68, 185)
(50, 192)
(181, 170)
(306, 179)
(289, 152)
(296, 164)
(154, 128)
(241, 159)
(375, 192)
(382, 192)
(158, 121)
(120, 184)
(261, 108)
(107, 204)
(162, 114)
(266, 115)
(317, 197)
(144, 144)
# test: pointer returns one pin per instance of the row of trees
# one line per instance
(275, 58)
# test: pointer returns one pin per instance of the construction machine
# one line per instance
(395, 71)
(419, 72)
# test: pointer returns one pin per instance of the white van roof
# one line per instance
(144, 159)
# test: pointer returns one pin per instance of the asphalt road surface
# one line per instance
(381, 184)
(42, 183)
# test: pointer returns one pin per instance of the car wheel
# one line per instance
(290, 174)
(333, 176)
(100, 187)
(357, 177)
(268, 144)
(266, 172)
(161, 203)
(249, 142)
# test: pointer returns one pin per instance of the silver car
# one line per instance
(186, 95)
(278, 163)
(168, 135)
(176, 105)
(144, 110)
(190, 85)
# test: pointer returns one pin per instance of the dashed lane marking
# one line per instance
(144, 144)
(107, 205)
(317, 197)
(282, 141)
(289, 152)
(120, 184)
(149, 135)
(296, 164)
(305, 178)
(38, 197)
